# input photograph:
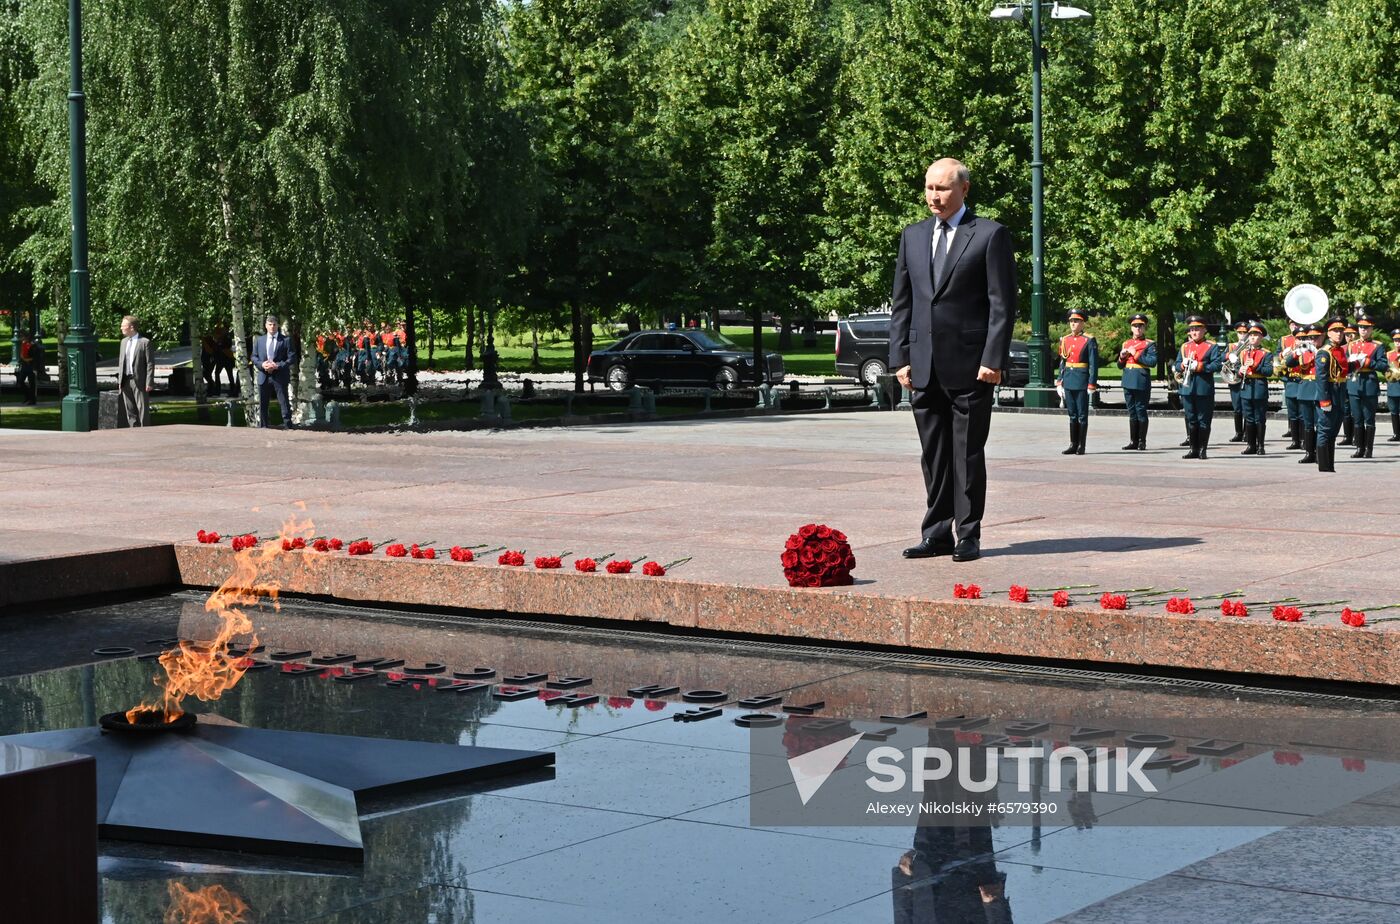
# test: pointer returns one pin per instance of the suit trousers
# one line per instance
(266, 389)
(953, 425)
(134, 408)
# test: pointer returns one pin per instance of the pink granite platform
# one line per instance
(727, 493)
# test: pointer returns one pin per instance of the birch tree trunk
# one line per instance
(235, 297)
(201, 396)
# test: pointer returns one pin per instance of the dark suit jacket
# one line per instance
(967, 322)
(282, 355)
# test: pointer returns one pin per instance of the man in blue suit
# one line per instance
(273, 360)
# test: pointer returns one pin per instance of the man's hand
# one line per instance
(990, 376)
(902, 376)
(1093, 387)
(149, 389)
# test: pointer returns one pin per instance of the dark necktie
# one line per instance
(940, 251)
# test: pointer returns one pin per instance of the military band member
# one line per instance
(1289, 376)
(1232, 358)
(1137, 359)
(1333, 367)
(1256, 366)
(1392, 385)
(1301, 363)
(1078, 375)
(1368, 361)
(1197, 364)
(1349, 333)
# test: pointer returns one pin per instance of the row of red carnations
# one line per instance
(508, 557)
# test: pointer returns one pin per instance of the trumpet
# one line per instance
(1184, 378)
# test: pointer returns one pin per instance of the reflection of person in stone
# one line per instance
(136, 362)
(951, 876)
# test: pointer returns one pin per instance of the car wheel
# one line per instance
(871, 370)
(726, 377)
(618, 378)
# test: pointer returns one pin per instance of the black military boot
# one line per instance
(1142, 435)
(1083, 435)
(1259, 431)
(1239, 429)
(1193, 442)
(1250, 435)
(1326, 452)
(1203, 440)
(1295, 433)
(1348, 432)
(1370, 441)
(1394, 429)
(1073, 438)
(1360, 452)
(1132, 433)
(1309, 447)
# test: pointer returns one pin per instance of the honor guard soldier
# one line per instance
(1137, 359)
(1289, 377)
(1078, 375)
(1301, 363)
(1256, 366)
(1392, 385)
(1368, 361)
(1234, 380)
(1196, 366)
(1349, 333)
(1333, 367)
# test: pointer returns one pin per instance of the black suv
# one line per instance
(863, 351)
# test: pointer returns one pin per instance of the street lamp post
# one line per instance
(1040, 394)
(80, 404)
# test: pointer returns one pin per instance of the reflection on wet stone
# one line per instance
(637, 775)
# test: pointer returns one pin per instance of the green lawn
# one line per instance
(374, 414)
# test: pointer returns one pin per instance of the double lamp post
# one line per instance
(1041, 392)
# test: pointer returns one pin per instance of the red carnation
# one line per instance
(653, 569)
(336, 545)
(396, 550)
(1288, 758)
(246, 541)
(1287, 613)
(620, 702)
(461, 554)
(1019, 594)
(968, 592)
(1181, 605)
(655, 705)
(1354, 764)
(586, 565)
(512, 558)
(1061, 598)
(1233, 608)
(619, 566)
(416, 552)
(362, 547)
(321, 545)
(1351, 617)
(1113, 602)
(548, 561)
(208, 538)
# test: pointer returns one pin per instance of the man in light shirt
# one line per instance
(136, 360)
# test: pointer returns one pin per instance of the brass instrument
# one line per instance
(1230, 370)
(1183, 378)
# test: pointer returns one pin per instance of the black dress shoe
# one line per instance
(929, 548)
(967, 550)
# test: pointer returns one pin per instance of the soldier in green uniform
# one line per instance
(1137, 358)
(1196, 365)
(1077, 376)
(1256, 364)
(1368, 363)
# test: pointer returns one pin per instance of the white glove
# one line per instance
(1060, 390)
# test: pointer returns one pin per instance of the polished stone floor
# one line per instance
(647, 818)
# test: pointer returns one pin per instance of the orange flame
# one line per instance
(210, 905)
(206, 670)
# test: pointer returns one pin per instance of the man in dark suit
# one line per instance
(272, 361)
(954, 304)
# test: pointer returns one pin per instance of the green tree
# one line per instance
(1332, 215)
(1158, 135)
